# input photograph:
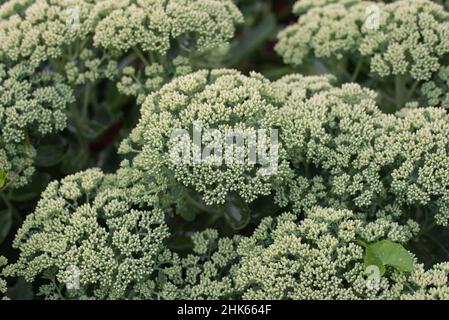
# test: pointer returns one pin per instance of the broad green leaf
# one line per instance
(93, 129)
(388, 253)
(74, 161)
(22, 290)
(372, 260)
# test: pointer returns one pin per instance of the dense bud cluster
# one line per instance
(404, 41)
(204, 273)
(220, 99)
(42, 30)
(319, 258)
(32, 105)
(53, 51)
(356, 157)
(83, 222)
(86, 227)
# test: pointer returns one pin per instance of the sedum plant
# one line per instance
(400, 48)
(218, 99)
(66, 50)
(87, 227)
(217, 105)
(132, 217)
(320, 258)
(226, 184)
(32, 105)
(354, 156)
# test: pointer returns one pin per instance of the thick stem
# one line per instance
(77, 123)
(412, 90)
(357, 70)
(86, 102)
(399, 91)
(141, 56)
(198, 205)
(342, 70)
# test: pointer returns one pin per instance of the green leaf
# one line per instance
(99, 123)
(22, 290)
(3, 176)
(388, 253)
(180, 243)
(372, 260)
(74, 161)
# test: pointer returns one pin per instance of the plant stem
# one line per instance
(197, 205)
(357, 70)
(412, 90)
(428, 228)
(306, 168)
(399, 91)
(77, 123)
(141, 56)
(342, 70)
(86, 102)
